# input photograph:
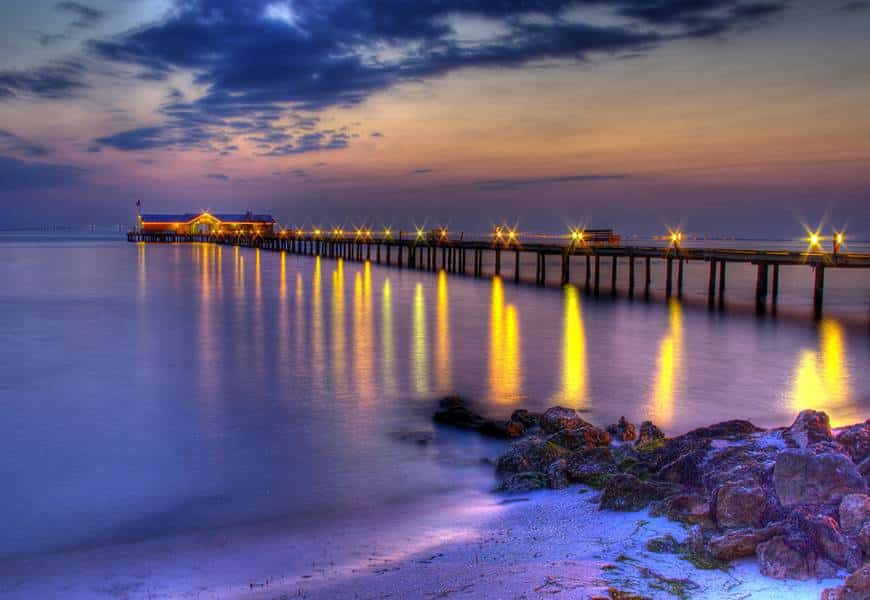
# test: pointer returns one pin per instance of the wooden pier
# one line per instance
(422, 253)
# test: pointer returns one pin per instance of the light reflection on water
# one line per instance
(154, 388)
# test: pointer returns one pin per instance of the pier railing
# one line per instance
(432, 254)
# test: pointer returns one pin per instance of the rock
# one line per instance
(811, 427)
(780, 559)
(559, 417)
(557, 474)
(649, 433)
(502, 429)
(740, 505)
(864, 468)
(531, 454)
(527, 481)
(628, 493)
(734, 429)
(856, 587)
(689, 508)
(830, 542)
(854, 512)
(856, 440)
(738, 543)
(685, 470)
(863, 540)
(528, 419)
(579, 438)
(453, 411)
(802, 477)
(593, 466)
(622, 430)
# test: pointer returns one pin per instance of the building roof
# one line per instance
(226, 218)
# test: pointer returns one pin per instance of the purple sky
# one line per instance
(729, 117)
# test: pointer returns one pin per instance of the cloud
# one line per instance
(263, 57)
(377, 134)
(16, 175)
(218, 176)
(312, 142)
(85, 16)
(853, 7)
(419, 171)
(12, 143)
(54, 81)
(511, 184)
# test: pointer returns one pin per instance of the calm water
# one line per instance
(156, 389)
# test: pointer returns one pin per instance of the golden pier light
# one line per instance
(317, 232)
(421, 234)
(442, 234)
(498, 233)
(512, 235)
(578, 235)
(815, 240)
(387, 232)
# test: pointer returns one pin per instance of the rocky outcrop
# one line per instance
(454, 411)
(628, 493)
(649, 433)
(795, 497)
(739, 543)
(740, 505)
(804, 477)
(622, 430)
(559, 418)
(854, 512)
(856, 440)
(810, 427)
(530, 454)
(856, 587)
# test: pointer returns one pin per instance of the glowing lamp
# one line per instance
(814, 239)
(840, 237)
(512, 235)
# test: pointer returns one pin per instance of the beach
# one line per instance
(524, 546)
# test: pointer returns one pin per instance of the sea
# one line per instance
(153, 390)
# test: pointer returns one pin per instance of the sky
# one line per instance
(722, 117)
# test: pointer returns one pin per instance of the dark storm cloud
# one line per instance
(510, 184)
(311, 142)
(338, 53)
(218, 176)
(12, 143)
(85, 15)
(53, 81)
(18, 175)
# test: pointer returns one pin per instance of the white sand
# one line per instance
(474, 545)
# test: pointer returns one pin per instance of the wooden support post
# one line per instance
(631, 275)
(378, 253)
(498, 261)
(774, 288)
(761, 288)
(597, 275)
(565, 267)
(588, 274)
(711, 285)
(818, 291)
(613, 277)
(647, 277)
(399, 262)
(517, 265)
(680, 278)
(368, 251)
(669, 276)
(722, 284)
(537, 268)
(543, 269)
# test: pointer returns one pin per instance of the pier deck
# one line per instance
(452, 256)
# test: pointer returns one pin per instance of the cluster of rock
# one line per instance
(794, 497)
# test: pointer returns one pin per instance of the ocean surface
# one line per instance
(149, 390)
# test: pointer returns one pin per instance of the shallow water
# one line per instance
(163, 388)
